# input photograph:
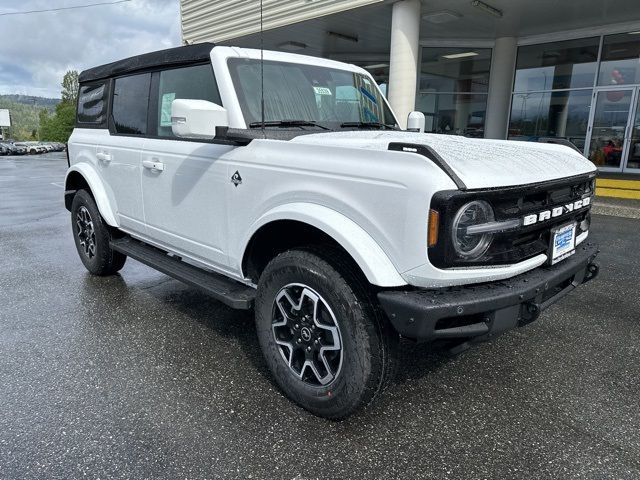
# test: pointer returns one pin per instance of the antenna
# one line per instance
(261, 69)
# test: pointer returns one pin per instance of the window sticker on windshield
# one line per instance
(322, 91)
(369, 95)
(165, 112)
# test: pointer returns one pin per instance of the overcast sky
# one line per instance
(37, 49)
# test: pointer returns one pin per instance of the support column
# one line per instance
(503, 64)
(403, 65)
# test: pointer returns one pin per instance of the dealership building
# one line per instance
(517, 69)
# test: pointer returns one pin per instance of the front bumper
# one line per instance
(477, 312)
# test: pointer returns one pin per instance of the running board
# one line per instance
(228, 291)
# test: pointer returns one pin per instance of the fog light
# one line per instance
(585, 224)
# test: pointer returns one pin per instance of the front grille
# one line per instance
(509, 203)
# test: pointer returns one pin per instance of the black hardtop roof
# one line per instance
(161, 58)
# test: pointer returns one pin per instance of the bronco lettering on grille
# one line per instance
(555, 212)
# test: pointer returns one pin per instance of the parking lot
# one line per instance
(139, 376)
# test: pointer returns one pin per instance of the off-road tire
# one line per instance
(369, 342)
(104, 261)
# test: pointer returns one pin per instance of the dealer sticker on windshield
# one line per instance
(322, 91)
(563, 242)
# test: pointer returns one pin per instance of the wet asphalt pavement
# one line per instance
(139, 376)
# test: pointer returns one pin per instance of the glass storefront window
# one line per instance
(455, 69)
(609, 126)
(457, 114)
(620, 63)
(633, 157)
(563, 114)
(557, 65)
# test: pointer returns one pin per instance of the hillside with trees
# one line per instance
(25, 114)
(46, 119)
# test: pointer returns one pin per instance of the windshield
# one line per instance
(293, 91)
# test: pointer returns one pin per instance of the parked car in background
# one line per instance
(31, 150)
(20, 150)
(34, 148)
(9, 148)
(4, 150)
(14, 149)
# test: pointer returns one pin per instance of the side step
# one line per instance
(228, 291)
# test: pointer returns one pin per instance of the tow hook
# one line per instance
(593, 269)
(530, 312)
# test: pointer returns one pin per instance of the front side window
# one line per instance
(292, 91)
(131, 104)
(195, 83)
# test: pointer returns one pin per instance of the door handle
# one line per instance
(103, 157)
(153, 165)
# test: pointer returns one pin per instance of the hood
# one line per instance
(479, 163)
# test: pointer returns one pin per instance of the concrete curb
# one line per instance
(615, 209)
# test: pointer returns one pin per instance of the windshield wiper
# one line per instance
(379, 125)
(288, 123)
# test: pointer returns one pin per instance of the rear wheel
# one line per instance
(92, 237)
(323, 337)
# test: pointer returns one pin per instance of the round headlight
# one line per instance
(472, 245)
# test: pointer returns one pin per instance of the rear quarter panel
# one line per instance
(82, 148)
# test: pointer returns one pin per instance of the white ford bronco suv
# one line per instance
(282, 183)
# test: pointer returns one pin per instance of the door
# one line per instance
(118, 152)
(632, 155)
(184, 198)
(184, 182)
(612, 130)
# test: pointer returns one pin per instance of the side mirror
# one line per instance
(416, 122)
(197, 119)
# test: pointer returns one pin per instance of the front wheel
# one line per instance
(327, 344)
(92, 237)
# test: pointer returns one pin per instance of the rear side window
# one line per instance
(92, 104)
(195, 82)
(131, 104)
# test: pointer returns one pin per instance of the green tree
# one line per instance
(70, 87)
(46, 124)
(58, 127)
